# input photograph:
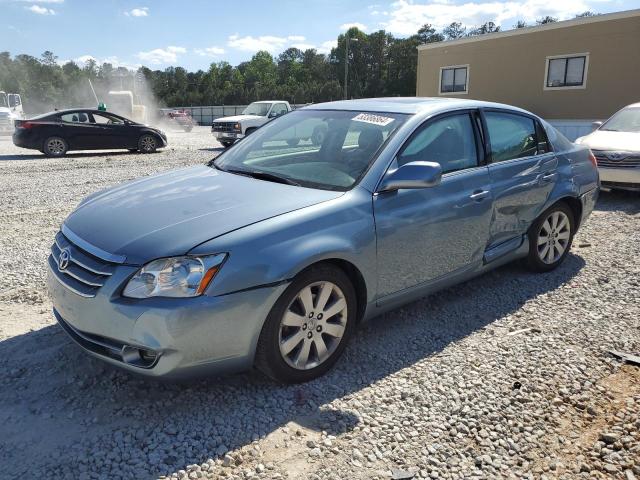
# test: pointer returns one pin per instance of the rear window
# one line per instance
(558, 141)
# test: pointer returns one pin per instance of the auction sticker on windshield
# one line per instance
(373, 119)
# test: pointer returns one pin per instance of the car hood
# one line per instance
(170, 213)
(238, 118)
(606, 140)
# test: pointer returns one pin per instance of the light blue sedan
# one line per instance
(271, 255)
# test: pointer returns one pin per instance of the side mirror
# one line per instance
(596, 125)
(412, 175)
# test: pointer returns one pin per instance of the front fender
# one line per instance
(277, 249)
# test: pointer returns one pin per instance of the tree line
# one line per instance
(379, 65)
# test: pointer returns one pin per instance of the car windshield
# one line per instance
(626, 120)
(259, 109)
(327, 149)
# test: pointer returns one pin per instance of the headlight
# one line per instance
(237, 127)
(174, 277)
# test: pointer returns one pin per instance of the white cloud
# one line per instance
(254, 44)
(347, 26)
(161, 56)
(43, 1)
(325, 47)
(406, 16)
(138, 12)
(209, 51)
(41, 10)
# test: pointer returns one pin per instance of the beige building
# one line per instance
(571, 72)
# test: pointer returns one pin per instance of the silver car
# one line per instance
(273, 253)
(616, 146)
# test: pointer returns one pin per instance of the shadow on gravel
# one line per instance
(213, 149)
(619, 201)
(83, 154)
(61, 409)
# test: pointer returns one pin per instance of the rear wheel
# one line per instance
(226, 144)
(550, 238)
(55, 147)
(147, 144)
(309, 326)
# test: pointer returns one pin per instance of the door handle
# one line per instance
(479, 195)
(548, 177)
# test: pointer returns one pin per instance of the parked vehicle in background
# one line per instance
(56, 133)
(229, 129)
(10, 111)
(178, 118)
(616, 146)
(271, 254)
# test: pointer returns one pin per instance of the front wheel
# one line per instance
(55, 147)
(309, 326)
(147, 144)
(550, 238)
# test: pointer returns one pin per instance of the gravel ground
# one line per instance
(505, 376)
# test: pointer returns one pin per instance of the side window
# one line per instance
(278, 109)
(511, 136)
(450, 141)
(543, 142)
(105, 119)
(73, 117)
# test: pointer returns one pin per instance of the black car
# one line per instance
(55, 133)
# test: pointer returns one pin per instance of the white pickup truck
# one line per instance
(10, 111)
(229, 129)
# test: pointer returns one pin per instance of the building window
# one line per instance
(566, 71)
(454, 79)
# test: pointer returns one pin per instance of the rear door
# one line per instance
(523, 172)
(425, 235)
(77, 130)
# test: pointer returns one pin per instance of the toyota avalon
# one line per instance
(273, 253)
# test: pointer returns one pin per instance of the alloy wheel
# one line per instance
(148, 143)
(553, 237)
(313, 325)
(55, 146)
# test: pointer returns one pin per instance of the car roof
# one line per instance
(407, 105)
(71, 110)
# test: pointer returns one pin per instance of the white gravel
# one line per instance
(505, 376)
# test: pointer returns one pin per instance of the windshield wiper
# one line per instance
(270, 177)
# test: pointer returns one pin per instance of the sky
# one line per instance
(195, 33)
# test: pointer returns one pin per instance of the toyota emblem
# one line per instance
(63, 259)
(616, 156)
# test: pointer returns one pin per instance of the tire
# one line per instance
(281, 348)
(293, 142)
(226, 144)
(318, 135)
(55, 147)
(550, 238)
(147, 143)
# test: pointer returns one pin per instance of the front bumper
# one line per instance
(620, 177)
(228, 136)
(182, 337)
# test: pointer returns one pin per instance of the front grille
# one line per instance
(84, 273)
(618, 160)
(224, 127)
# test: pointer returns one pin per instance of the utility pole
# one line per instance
(346, 64)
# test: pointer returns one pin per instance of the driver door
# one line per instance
(426, 235)
(109, 131)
